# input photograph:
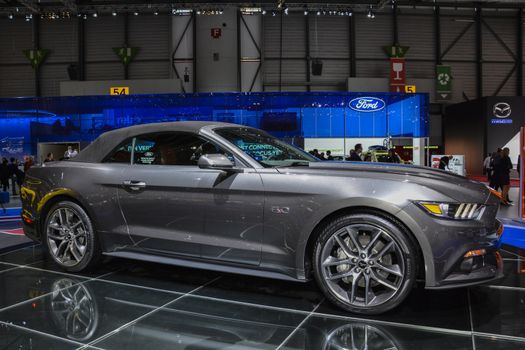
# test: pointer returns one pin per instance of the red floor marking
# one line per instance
(14, 232)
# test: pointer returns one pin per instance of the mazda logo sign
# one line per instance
(501, 110)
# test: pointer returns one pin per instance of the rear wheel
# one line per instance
(364, 263)
(70, 237)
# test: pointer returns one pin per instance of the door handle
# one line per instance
(134, 185)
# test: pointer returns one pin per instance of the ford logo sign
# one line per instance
(367, 104)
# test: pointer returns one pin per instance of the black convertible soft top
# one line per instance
(95, 152)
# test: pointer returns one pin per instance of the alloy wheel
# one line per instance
(362, 265)
(67, 236)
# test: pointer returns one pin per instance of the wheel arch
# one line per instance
(386, 210)
(57, 196)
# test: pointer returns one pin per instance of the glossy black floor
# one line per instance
(135, 305)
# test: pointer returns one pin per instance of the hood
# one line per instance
(451, 185)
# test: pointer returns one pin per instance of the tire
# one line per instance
(73, 245)
(387, 267)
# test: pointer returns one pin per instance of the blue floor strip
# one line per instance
(514, 232)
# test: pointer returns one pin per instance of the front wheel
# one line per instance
(70, 237)
(364, 263)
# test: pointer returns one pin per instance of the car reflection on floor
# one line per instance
(134, 305)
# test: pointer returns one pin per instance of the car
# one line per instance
(232, 198)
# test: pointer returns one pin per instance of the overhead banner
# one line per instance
(36, 57)
(443, 83)
(126, 54)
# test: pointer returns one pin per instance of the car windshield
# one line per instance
(265, 149)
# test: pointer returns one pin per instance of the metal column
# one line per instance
(479, 53)
(36, 46)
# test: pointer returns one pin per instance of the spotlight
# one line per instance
(306, 12)
(136, 13)
(350, 13)
(273, 13)
(198, 12)
(10, 16)
(370, 13)
(95, 14)
(263, 12)
(221, 12)
(156, 13)
(84, 17)
(318, 13)
(114, 13)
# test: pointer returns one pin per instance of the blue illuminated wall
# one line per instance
(24, 122)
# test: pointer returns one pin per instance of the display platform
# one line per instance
(135, 305)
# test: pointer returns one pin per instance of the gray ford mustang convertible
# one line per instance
(232, 198)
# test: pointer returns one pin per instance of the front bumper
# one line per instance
(487, 268)
(444, 243)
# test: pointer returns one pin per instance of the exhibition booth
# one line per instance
(479, 127)
(326, 121)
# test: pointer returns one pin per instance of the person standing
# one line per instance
(28, 163)
(4, 175)
(443, 163)
(487, 170)
(49, 158)
(493, 183)
(502, 167)
(13, 167)
(355, 154)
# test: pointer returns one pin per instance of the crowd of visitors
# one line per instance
(12, 173)
(357, 155)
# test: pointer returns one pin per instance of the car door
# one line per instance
(173, 207)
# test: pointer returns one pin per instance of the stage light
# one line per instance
(114, 13)
(10, 16)
(95, 14)
(136, 13)
(156, 13)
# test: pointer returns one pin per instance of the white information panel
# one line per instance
(455, 165)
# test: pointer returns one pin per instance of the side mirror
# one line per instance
(215, 161)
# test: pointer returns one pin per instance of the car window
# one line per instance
(164, 149)
(121, 154)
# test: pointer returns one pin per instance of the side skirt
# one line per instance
(212, 266)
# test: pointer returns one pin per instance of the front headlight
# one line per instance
(455, 211)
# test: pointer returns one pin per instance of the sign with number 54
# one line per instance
(121, 90)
